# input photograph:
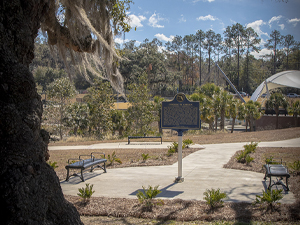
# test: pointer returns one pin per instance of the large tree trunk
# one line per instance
(30, 191)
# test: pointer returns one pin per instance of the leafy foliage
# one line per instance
(119, 122)
(214, 198)
(270, 160)
(86, 193)
(248, 159)
(250, 147)
(113, 158)
(173, 148)
(146, 197)
(275, 101)
(295, 166)
(76, 117)
(59, 92)
(244, 156)
(100, 102)
(53, 164)
(145, 156)
(140, 113)
(187, 142)
(271, 197)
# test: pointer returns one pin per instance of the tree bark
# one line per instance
(233, 122)
(30, 191)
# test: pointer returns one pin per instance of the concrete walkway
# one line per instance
(201, 170)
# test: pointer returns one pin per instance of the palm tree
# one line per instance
(252, 113)
(212, 101)
(224, 104)
(276, 100)
(233, 109)
(294, 109)
(206, 107)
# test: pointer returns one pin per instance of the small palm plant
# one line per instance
(148, 195)
(187, 142)
(145, 157)
(243, 156)
(295, 166)
(269, 197)
(214, 198)
(53, 164)
(86, 193)
(173, 148)
(113, 158)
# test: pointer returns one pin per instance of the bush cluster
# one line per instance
(174, 146)
(244, 155)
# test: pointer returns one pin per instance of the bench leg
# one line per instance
(104, 167)
(67, 179)
(279, 183)
(270, 183)
(81, 175)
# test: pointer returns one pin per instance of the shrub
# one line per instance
(187, 142)
(173, 148)
(113, 158)
(86, 192)
(250, 147)
(269, 197)
(243, 156)
(249, 159)
(148, 195)
(145, 156)
(269, 160)
(53, 164)
(295, 166)
(214, 197)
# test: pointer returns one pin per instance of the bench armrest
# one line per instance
(89, 156)
(98, 153)
(276, 161)
(73, 159)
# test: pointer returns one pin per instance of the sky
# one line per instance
(164, 19)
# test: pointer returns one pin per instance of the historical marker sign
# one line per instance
(180, 114)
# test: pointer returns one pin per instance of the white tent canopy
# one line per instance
(290, 78)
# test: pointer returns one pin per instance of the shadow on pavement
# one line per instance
(164, 192)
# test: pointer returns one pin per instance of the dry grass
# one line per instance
(128, 211)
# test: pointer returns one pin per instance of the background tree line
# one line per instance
(187, 62)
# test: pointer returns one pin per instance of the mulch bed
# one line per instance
(184, 210)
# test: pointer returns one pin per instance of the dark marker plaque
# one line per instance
(180, 113)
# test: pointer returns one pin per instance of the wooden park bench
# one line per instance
(83, 163)
(277, 169)
(137, 137)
